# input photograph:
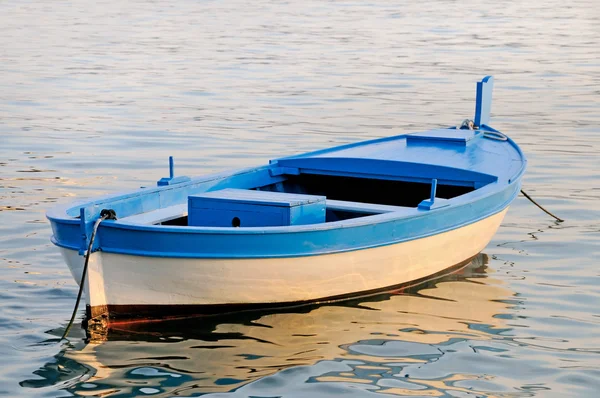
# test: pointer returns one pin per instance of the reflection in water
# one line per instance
(394, 343)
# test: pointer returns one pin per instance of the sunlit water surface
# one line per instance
(94, 97)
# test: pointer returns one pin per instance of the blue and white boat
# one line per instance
(349, 220)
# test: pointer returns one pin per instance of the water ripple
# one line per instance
(95, 97)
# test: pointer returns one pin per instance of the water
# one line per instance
(94, 97)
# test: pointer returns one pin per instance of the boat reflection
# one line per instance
(212, 354)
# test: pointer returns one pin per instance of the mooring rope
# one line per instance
(104, 214)
(540, 206)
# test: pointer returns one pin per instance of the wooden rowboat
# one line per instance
(349, 220)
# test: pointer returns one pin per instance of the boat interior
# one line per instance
(295, 192)
(346, 198)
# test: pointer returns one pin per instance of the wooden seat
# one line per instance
(369, 208)
(157, 216)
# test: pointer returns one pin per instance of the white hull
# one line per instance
(126, 280)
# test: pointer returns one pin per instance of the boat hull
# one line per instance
(127, 286)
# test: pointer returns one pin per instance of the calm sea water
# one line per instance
(94, 97)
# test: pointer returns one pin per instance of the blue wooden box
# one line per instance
(247, 208)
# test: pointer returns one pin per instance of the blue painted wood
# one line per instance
(158, 216)
(447, 136)
(260, 217)
(367, 208)
(433, 189)
(248, 208)
(85, 229)
(266, 198)
(433, 202)
(429, 204)
(483, 102)
(148, 199)
(277, 171)
(171, 180)
(386, 169)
